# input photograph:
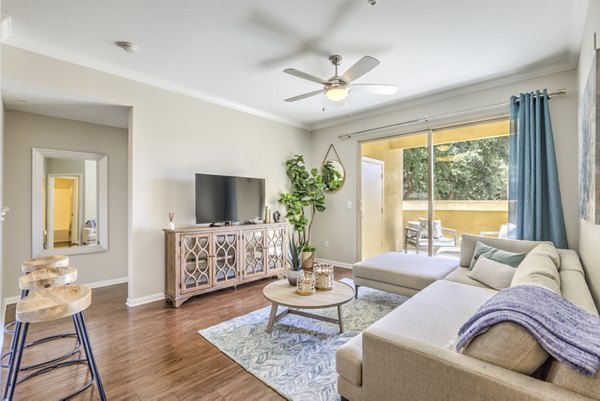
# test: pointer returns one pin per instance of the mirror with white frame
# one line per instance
(70, 202)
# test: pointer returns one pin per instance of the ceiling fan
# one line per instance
(337, 87)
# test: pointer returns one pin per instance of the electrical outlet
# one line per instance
(326, 244)
(349, 204)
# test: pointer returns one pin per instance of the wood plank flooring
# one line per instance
(151, 352)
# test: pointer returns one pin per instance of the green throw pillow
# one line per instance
(508, 258)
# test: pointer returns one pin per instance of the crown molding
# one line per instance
(449, 92)
(10, 39)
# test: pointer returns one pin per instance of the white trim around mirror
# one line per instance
(37, 235)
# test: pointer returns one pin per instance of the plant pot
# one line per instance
(308, 261)
(292, 276)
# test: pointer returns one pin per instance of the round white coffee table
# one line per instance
(281, 293)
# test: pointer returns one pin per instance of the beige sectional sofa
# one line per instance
(409, 354)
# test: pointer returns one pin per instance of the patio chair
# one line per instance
(506, 231)
(417, 237)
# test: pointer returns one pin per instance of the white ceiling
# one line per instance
(233, 51)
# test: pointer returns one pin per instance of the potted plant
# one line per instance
(294, 257)
(307, 191)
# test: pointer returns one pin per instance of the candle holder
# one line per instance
(323, 276)
(305, 283)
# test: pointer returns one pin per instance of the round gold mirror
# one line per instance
(334, 175)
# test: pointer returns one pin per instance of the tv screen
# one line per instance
(222, 198)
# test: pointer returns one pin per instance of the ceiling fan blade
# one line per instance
(375, 89)
(304, 96)
(304, 75)
(360, 68)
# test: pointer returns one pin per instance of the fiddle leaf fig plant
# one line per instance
(307, 191)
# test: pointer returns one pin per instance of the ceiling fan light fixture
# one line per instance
(337, 92)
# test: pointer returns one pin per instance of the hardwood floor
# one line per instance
(153, 351)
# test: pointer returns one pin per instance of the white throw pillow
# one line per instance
(437, 228)
(491, 273)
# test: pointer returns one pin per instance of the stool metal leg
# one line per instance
(13, 371)
(82, 330)
(13, 341)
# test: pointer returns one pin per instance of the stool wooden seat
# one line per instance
(39, 276)
(47, 277)
(45, 261)
(47, 304)
(53, 303)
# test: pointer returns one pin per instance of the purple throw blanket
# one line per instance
(565, 331)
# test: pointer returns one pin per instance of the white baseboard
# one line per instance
(106, 283)
(95, 284)
(133, 302)
(335, 263)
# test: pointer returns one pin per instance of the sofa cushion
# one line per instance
(512, 259)
(406, 270)
(540, 267)
(491, 273)
(508, 345)
(574, 289)
(461, 275)
(467, 246)
(348, 360)
(566, 377)
(435, 314)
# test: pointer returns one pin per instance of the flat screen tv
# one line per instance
(221, 198)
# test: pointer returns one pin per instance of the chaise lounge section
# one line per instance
(409, 354)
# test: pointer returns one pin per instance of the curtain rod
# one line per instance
(427, 119)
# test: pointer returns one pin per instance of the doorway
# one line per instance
(372, 196)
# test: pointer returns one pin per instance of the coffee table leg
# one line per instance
(339, 308)
(274, 307)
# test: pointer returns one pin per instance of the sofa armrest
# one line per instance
(404, 369)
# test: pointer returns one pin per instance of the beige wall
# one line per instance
(24, 131)
(589, 233)
(171, 137)
(339, 224)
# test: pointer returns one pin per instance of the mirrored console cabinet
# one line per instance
(204, 259)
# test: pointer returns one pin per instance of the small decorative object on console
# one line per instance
(323, 276)
(171, 223)
(305, 283)
(276, 216)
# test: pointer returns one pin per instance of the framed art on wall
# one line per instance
(589, 147)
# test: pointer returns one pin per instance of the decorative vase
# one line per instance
(305, 283)
(308, 261)
(323, 276)
(292, 276)
(171, 226)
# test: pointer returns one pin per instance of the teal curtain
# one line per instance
(535, 206)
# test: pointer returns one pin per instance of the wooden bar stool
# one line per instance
(45, 305)
(44, 261)
(30, 266)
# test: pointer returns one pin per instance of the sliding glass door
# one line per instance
(440, 184)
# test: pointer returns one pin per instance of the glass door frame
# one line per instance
(430, 131)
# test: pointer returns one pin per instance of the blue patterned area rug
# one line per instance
(297, 359)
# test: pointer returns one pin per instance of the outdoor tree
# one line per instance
(468, 170)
